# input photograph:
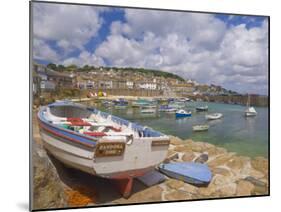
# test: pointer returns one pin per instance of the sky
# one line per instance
(226, 50)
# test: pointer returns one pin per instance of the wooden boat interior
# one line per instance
(92, 122)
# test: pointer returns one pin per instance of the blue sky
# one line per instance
(228, 50)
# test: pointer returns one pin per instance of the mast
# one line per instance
(248, 101)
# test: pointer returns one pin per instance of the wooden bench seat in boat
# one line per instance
(96, 134)
(78, 122)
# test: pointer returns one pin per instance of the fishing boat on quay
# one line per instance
(182, 113)
(101, 144)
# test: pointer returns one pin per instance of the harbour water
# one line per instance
(235, 132)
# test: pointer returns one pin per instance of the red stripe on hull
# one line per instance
(68, 131)
(63, 136)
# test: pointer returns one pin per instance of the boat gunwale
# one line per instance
(92, 140)
(66, 137)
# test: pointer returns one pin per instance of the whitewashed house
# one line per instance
(148, 85)
(130, 84)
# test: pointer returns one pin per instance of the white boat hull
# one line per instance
(250, 114)
(214, 116)
(132, 161)
(148, 111)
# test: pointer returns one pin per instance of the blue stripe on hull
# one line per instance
(64, 132)
(182, 115)
(71, 135)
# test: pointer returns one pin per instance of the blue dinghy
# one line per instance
(182, 113)
(189, 172)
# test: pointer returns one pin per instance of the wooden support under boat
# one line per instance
(124, 186)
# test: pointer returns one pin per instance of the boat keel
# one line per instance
(124, 186)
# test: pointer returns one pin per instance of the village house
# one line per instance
(105, 84)
(48, 79)
(147, 85)
(183, 89)
(130, 84)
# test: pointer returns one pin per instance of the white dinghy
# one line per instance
(214, 116)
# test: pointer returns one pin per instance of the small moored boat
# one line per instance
(167, 109)
(214, 116)
(99, 143)
(148, 110)
(120, 106)
(182, 113)
(189, 172)
(198, 128)
(177, 104)
(250, 111)
(202, 108)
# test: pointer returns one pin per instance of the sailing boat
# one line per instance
(250, 111)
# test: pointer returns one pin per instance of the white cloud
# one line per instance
(84, 58)
(197, 46)
(203, 30)
(42, 51)
(70, 26)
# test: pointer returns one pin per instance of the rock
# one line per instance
(189, 141)
(255, 181)
(221, 180)
(48, 190)
(207, 191)
(189, 188)
(221, 150)
(197, 146)
(260, 190)
(175, 140)
(183, 148)
(256, 174)
(177, 195)
(203, 158)
(188, 156)
(151, 194)
(220, 160)
(214, 151)
(172, 155)
(228, 190)
(221, 171)
(237, 162)
(244, 188)
(260, 164)
(174, 184)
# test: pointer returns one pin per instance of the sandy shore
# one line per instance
(233, 176)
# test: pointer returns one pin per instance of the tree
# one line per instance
(52, 66)
(60, 68)
(71, 68)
